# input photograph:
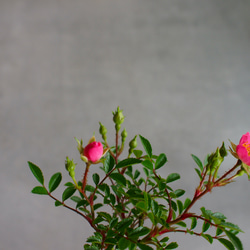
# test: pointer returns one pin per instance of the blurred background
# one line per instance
(179, 69)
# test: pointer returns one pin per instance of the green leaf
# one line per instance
(119, 178)
(147, 199)
(186, 203)
(96, 178)
(205, 226)
(146, 145)
(180, 206)
(137, 153)
(230, 226)
(148, 164)
(193, 223)
(173, 177)
(128, 162)
(160, 161)
(108, 163)
(54, 181)
(58, 203)
(105, 215)
(139, 231)
(113, 222)
(123, 243)
(124, 224)
(68, 192)
(144, 247)
(36, 171)
(141, 205)
(198, 162)
(226, 243)
(39, 190)
(179, 192)
(198, 172)
(235, 240)
(165, 239)
(208, 237)
(154, 207)
(172, 245)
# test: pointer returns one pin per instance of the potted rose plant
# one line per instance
(130, 206)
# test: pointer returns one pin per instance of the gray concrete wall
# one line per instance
(180, 70)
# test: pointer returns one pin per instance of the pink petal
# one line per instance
(93, 151)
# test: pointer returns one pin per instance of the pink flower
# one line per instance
(243, 149)
(93, 151)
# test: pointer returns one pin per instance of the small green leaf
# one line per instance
(54, 181)
(124, 224)
(148, 164)
(141, 205)
(235, 240)
(68, 192)
(226, 243)
(173, 177)
(186, 203)
(160, 161)
(180, 206)
(128, 162)
(198, 162)
(58, 203)
(139, 231)
(208, 237)
(193, 223)
(179, 192)
(119, 178)
(205, 226)
(123, 243)
(154, 207)
(96, 178)
(36, 171)
(144, 247)
(137, 153)
(39, 190)
(108, 163)
(230, 226)
(165, 239)
(172, 245)
(146, 145)
(147, 199)
(113, 222)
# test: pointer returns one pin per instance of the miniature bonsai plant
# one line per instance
(130, 206)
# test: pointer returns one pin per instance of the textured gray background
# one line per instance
(180, 70)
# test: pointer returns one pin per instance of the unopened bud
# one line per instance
(223, 150)
(132, 144)
(103, 131)
(124, 134)
(69, 164)
(118, 118)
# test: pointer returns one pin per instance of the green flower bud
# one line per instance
(103, 131)
(132, 145)
(124, 134)
(69, 164)
(223, 150)
(118, 116)
(216, 160)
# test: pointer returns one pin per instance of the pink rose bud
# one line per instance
(93, 151)
(243, 149)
